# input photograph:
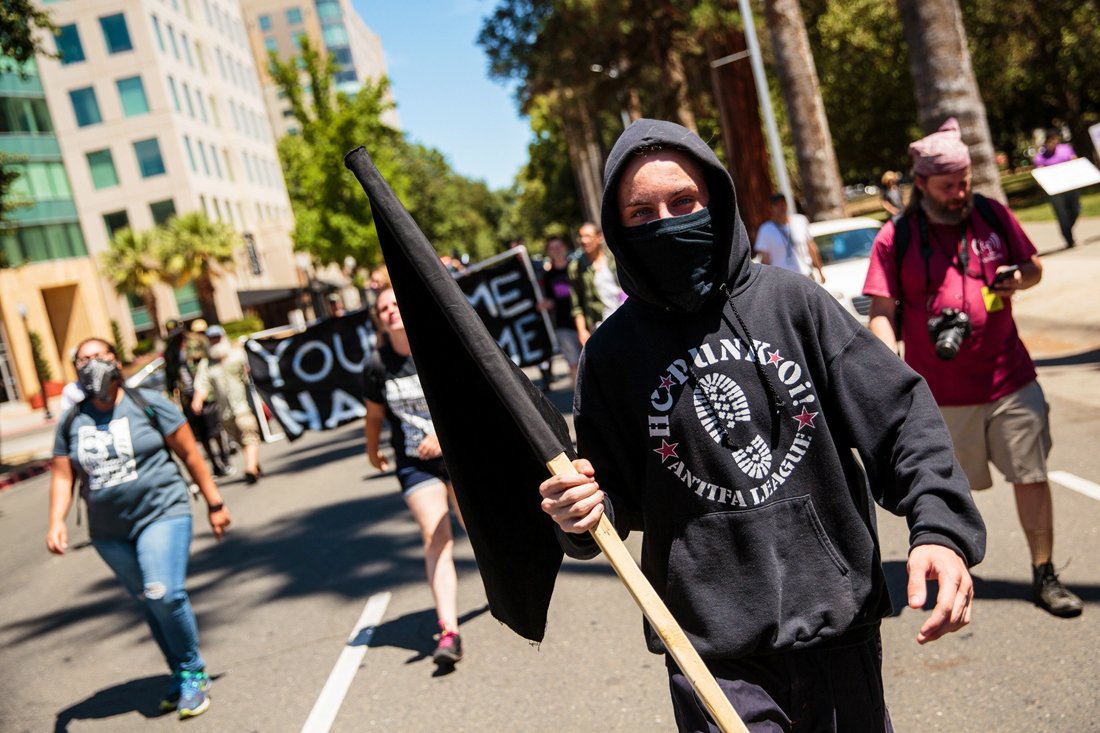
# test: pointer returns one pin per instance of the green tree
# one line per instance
(194, 249)
(332, 217)
(22, 27)
(131, 266)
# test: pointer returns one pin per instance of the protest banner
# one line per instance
(506, 295)
(1068, 176)
(313, 379)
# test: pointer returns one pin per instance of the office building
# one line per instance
(333, 27)
(157, 108)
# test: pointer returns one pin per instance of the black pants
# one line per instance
(834, 690)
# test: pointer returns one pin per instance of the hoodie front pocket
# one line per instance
(757, 580)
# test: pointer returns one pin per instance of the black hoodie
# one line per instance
(739, 462)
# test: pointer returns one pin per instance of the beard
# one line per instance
(942, 214)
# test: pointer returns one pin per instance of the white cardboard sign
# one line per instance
(1068, 176)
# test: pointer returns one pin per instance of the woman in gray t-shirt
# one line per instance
(139, 517)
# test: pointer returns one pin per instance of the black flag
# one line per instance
(497, 431)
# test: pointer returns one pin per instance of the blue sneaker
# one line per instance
(192, 697)
(171, 696)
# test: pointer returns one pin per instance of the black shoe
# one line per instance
(1050, 595)
(449, 650)
(224, 471)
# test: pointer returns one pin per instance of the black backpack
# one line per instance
(901, 243)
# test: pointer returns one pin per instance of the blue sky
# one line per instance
(440, 82)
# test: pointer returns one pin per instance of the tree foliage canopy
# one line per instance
(332, 216)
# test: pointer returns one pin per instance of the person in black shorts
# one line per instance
(393, 393)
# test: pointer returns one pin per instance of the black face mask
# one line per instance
(676, 258)
(96, 377)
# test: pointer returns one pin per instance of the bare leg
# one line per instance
(429, 507)
(252, 458)
(1035, 507)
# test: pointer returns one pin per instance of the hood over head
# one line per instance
(733, 253)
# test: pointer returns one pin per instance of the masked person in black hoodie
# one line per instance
(720, 410)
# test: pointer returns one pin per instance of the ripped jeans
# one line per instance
(153, 568)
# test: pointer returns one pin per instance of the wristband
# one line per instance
(216, 507)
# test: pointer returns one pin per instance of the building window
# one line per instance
(265, 22)
(68, 44)
(294, 16)
(214, 112)
(329, 10)
(150, 162)
(190, 154)
(187, 49)
(200, 57)
(187, 301)
(85, 107)
(24, 114)
(172, 41)
(115, 222)
(45, 181)
(271, 44)
(102, 166)
(335, 35)
(228, 164)
(175, 94)
(202, 106)
(39, 243)
(214, 158)
(299, 38)
(157, 33)
(115, 33)
(187, 98)
(202, 157)
(132, 93)
(342, 56)
(162, 211)
(221, 61)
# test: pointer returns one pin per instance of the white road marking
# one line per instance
(1078, 484)
(328, 704)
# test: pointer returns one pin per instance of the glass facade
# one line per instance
(25, 115)
(41, 243)
(150, 162)
(132, 94)
(68, 44)
(85, 107)
(115, 33)
(102, 166)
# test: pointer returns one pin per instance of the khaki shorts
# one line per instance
(244, 429)
(1012, 432)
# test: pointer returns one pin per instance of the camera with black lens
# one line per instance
(948, 329)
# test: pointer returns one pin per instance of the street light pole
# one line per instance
(37, 372)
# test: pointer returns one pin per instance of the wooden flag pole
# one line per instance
(677, 644)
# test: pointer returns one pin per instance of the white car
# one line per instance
(845, 246)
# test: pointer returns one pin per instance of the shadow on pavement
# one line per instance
(140, 695)
(414, 631)
(999, 590)
(1085, 357)
(897, 585)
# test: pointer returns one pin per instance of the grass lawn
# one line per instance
(1090, 206)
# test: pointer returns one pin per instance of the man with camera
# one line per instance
(945, 273)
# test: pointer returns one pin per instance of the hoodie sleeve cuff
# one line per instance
(942, 541)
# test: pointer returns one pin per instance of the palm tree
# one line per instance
(794, 64)
(195, 249)
(944, 83)
(131, 266)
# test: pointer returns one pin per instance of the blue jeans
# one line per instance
(152, 568)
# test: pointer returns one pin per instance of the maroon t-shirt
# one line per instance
(992, 362)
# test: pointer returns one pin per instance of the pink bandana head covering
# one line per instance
(941, 152)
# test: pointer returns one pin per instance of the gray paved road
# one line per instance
(320, 535)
